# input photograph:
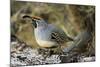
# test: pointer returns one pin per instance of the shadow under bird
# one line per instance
(48, 35)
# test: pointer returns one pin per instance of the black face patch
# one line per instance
(34, 23)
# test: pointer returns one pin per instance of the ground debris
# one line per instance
(30, 56)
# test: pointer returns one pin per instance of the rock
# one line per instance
(30, 56)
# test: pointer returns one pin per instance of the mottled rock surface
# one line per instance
(29, 56)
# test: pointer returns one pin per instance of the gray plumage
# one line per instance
(48, 35)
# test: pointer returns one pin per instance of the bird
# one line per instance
(48, 35)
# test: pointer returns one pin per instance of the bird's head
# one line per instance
(36, 21)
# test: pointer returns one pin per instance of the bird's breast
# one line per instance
(43, 38)
(43, 43)
(42, 34)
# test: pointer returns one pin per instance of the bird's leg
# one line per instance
(46, 52)
(58, 50)
(41, 50)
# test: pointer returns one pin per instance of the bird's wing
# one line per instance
(59, 35)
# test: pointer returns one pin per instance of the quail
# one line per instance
(48, 35)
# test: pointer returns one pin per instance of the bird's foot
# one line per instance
(45, 52)
(58, 51)
(50, 51)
